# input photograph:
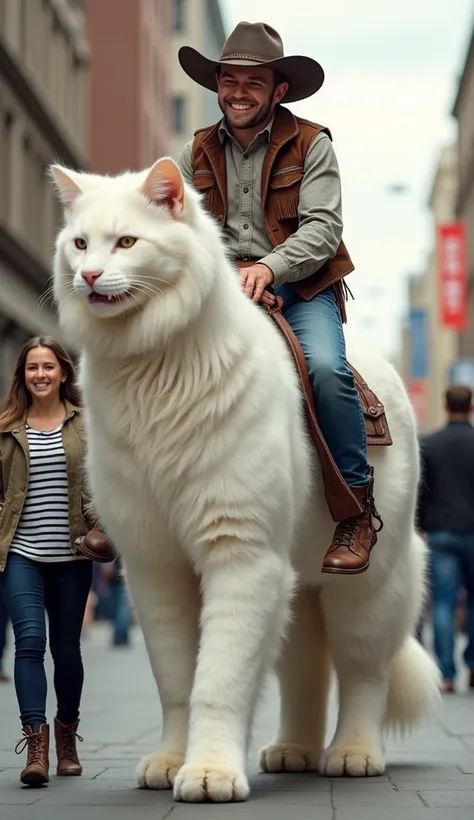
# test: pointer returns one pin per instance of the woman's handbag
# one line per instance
(96, 546)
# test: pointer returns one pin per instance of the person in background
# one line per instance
(446, 515)
(122, 617)
(43, 507)
(3, 640)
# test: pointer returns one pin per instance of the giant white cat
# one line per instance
(204, 477)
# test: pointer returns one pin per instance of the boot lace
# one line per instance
(34, 743)
(68, 742)
(345, 533)
(346, 530)
(375, 515)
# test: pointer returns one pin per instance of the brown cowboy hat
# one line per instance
(255, 44)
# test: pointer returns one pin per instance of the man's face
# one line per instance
(248, 95)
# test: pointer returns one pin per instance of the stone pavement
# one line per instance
(430, 775)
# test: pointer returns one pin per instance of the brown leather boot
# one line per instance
(66, 751)
(349, 553)
(36, 740)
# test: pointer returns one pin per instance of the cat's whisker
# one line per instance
(148, 290)
(150, 285)
(68, 295)
(47, 296)
(157, 279)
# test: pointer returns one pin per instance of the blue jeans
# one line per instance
(451, 565)
(30, 589)
(318, 327)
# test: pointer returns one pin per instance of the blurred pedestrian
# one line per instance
(446, 515)
(43, 510)
(121, 610)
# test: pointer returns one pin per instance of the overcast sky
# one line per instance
(391, 77)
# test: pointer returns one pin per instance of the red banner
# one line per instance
(452, 275)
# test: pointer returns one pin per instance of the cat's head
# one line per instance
(134, 259)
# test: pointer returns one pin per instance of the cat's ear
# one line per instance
(164, 185)
(67, 185)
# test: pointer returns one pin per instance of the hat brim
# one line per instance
(304, 75)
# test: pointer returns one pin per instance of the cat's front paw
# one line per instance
(158, 771)
(213, 784)
(289, 757)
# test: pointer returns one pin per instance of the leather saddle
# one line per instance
(341, 501)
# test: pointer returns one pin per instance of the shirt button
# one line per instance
(245, 226)
(246, 156)
(246, 190)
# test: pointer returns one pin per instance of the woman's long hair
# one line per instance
(18, 400)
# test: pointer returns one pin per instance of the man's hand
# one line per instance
(254, 280)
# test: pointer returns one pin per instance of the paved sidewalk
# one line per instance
(430, 775)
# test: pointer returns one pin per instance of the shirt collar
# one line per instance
(263, 135)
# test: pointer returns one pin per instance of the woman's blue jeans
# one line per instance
(30, 589)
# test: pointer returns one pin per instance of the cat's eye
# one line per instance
(126, 242)
(80, 243)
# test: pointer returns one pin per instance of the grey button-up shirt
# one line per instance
(319, 207)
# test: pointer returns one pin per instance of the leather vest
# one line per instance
(282, 174)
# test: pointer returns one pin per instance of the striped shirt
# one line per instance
(43, 533)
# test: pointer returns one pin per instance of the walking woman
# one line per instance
(42, 513)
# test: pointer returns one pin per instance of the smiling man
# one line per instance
(272, 182)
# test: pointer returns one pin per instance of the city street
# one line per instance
(430, 776)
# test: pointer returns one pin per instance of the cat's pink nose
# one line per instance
(91, 276)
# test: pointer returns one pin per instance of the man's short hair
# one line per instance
(459, 398)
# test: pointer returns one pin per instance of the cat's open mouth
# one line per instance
(95, 298)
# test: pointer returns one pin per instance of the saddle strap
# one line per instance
(341, 500)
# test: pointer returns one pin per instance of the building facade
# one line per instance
(463, 112)
(44, 56)
(429, 348)
(129, 101)
(196, 23)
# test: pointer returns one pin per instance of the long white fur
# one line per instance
(203, 475)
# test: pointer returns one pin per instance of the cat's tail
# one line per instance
(414, 687)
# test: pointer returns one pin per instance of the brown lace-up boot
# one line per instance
(36, 741)
(66, 751)
(349, 553)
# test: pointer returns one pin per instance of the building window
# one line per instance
(179, 115)
(179, 15)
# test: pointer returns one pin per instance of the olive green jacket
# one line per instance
(14, 473)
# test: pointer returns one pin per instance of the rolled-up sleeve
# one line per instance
(185, 164)
(320, 218)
